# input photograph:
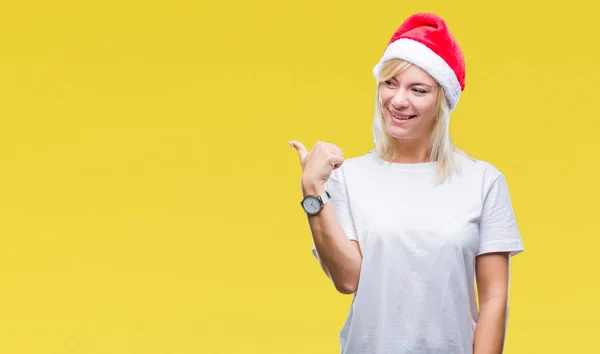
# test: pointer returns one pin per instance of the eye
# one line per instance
(389, 83)
(419, 91)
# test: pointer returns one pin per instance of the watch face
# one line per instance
(311, 204)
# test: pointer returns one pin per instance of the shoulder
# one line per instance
(477, 168)
(354, 166)
(358, 162)
(479, 172)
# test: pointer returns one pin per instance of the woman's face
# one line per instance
(409, 103)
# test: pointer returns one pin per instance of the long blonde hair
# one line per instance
(441, 149)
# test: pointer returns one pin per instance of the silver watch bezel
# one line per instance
(322, 199)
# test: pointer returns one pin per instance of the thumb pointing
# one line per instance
(302, 152)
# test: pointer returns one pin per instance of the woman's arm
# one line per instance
(339, 256)
(492, 288)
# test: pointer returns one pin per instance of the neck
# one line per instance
(411, 151)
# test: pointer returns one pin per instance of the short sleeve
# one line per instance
(498, 230)
(337, 189)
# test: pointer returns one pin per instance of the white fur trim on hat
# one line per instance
(425, 58)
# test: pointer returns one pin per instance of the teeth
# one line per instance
(399, 117)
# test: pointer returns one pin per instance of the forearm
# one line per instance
(490, 331)
(339, 256)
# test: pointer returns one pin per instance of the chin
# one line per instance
(400, 133)
(401, 136)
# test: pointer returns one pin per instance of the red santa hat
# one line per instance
(425, 41)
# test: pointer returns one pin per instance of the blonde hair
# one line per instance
(441, 149)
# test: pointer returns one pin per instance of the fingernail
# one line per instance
(290, 143)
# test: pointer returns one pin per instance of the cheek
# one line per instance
(385, 95)
(426, 107)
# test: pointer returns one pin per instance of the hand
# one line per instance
(319, 162)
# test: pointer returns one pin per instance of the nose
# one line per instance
(399, 101)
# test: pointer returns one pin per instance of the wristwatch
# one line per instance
(312, 204)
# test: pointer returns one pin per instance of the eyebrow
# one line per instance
(420, 84)
(414, 83)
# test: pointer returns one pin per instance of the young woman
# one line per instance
(408, 227)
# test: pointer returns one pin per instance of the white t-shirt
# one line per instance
(419, 240)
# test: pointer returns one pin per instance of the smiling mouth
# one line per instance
(401, 117)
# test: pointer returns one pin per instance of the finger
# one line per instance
(339, 152)
(336, 150)
(336, 155)
(302, 152)
(336, 160)
(337, 164)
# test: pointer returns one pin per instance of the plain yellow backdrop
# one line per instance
(149, 202)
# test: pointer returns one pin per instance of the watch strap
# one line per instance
(325, 197)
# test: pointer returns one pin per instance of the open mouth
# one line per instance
(401, 117)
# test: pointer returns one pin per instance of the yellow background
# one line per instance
(149, 202)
